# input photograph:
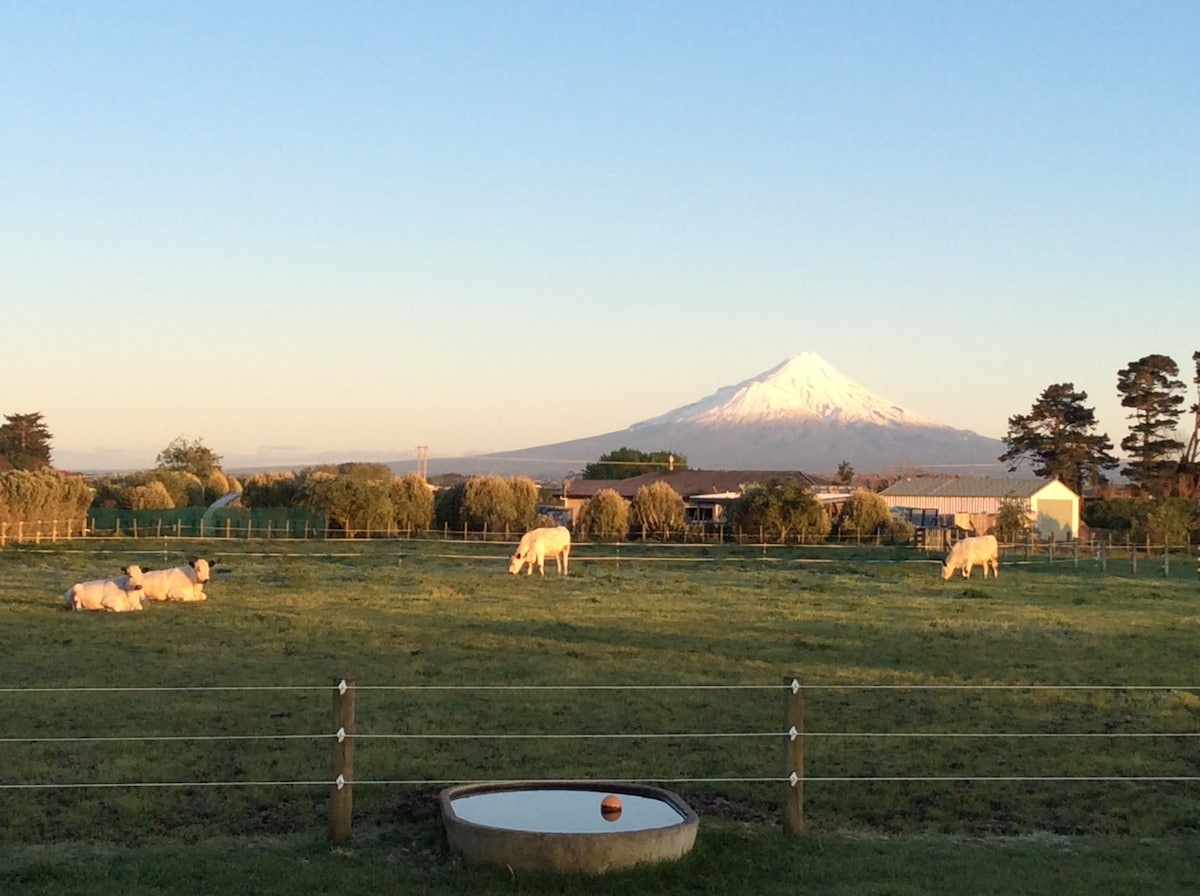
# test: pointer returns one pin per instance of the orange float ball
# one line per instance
(610, 807)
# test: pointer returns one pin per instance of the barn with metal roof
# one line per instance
(1053, 508)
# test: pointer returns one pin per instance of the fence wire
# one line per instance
(792, 685)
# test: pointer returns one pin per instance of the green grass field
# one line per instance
(906, 677)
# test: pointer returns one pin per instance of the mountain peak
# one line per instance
(805, 386)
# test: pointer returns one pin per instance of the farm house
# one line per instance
(971, 503)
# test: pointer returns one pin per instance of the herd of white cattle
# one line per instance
(127, 591)
(186, 583)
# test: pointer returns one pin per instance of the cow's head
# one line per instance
(133, 575)
(515, 562)
(947, 570)
(202, 567)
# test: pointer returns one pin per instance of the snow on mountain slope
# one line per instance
(804, 386)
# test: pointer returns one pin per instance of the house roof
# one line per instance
(966, 487)
(686, 482)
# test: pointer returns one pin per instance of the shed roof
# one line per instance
(967, 487)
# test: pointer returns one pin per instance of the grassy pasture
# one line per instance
(403, 618)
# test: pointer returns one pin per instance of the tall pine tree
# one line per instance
(1059, 437)
(1149, 389)
(25, 442)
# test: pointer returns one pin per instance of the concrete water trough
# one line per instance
(567, 826)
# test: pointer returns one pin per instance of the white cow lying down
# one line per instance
(538, 544)
(966, 553)
(179, 582)
(115, 595)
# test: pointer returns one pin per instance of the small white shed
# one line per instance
(1053, 508)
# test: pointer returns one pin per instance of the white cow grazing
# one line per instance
(966, 553)
(538, 544)
(115, 595)
(179, 582)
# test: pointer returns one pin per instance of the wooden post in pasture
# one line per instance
(1133, 556)
(179, 527)
(342, 803)
(1166, 559)
(3, 534)
(793, 797)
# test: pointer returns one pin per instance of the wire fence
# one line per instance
(809, 761)
(1102, 557)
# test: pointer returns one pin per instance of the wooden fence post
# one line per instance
(342, 803)
(793, 798)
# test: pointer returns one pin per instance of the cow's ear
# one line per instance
(212, 563)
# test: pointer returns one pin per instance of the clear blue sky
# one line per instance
(290, 228)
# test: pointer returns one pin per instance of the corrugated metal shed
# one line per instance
(1053, 508)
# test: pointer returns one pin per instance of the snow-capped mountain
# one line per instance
(800, 415)
(804, 386)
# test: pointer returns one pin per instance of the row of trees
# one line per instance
(29, 488)
(1059, 435)
(187, 473)
(784, 508)
(361, 496)
(43, 494)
